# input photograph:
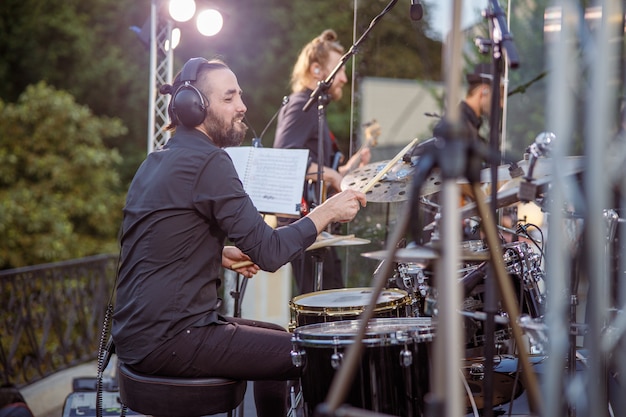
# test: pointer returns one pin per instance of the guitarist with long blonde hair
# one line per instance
(298, 129)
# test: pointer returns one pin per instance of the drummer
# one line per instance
(184, 202)
(298, 129)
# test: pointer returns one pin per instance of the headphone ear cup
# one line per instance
(189, 106)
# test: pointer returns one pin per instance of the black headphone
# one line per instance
(188, 104)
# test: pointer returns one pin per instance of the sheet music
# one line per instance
(272, 177)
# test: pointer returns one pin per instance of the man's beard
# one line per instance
(223, 134)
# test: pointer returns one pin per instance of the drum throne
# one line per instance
(178, 397)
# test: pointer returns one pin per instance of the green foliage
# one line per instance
(60, 195)
(86, 49)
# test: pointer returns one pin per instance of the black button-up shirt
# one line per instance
(183, 203)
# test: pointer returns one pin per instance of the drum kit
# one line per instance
(393, 375)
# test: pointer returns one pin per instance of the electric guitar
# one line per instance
(310, 196)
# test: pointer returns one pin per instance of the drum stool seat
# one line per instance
(178, 397)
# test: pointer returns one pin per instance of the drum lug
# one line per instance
(336, 359)
(406, 358)
(298, 358)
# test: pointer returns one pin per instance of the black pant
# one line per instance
(241, 349)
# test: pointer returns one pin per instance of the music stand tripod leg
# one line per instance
(318, 269)
(238, 293)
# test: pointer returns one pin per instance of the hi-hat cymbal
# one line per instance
(326, 239)
(421, 254)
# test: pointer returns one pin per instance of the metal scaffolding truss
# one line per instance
(161, 72)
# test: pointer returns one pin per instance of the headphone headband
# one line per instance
(190, 69)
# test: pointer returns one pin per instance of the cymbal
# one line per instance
(504, 198)
(543, 168)
(326, 239)
(420, 254)
(392, 187)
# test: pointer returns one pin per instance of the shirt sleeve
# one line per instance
(219, 195)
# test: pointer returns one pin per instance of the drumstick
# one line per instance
(241, 264)
(387, 167)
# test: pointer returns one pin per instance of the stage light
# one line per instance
(182, 10)
(209, 22)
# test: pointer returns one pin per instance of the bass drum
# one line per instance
(394, 372)
(346, 304)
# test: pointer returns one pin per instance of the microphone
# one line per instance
(540, 147)
(416, 10)
(256, 140)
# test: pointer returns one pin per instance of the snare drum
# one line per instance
(346, 304)
(394, 374)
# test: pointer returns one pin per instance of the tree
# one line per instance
(60, 195)
(86, 49)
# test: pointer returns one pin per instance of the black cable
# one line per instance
(106, 347)
(523, 229)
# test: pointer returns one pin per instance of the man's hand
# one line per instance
(341, 207)
(231, 256)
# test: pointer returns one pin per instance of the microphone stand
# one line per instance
(256, 140)
(501, 40)
(320, 95)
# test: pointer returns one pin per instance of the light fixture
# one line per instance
(209, 22)
(182, 10)
(175, 39)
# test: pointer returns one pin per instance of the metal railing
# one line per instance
(51, 316)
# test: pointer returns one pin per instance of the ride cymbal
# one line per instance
(543, 168)
(393, 186)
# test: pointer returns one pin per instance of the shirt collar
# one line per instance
(190, 138)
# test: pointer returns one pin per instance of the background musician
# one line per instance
(297, 129)
(474, 109)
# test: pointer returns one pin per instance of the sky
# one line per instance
(439, 13)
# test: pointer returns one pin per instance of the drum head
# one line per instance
(348, 299)
(379, 332)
